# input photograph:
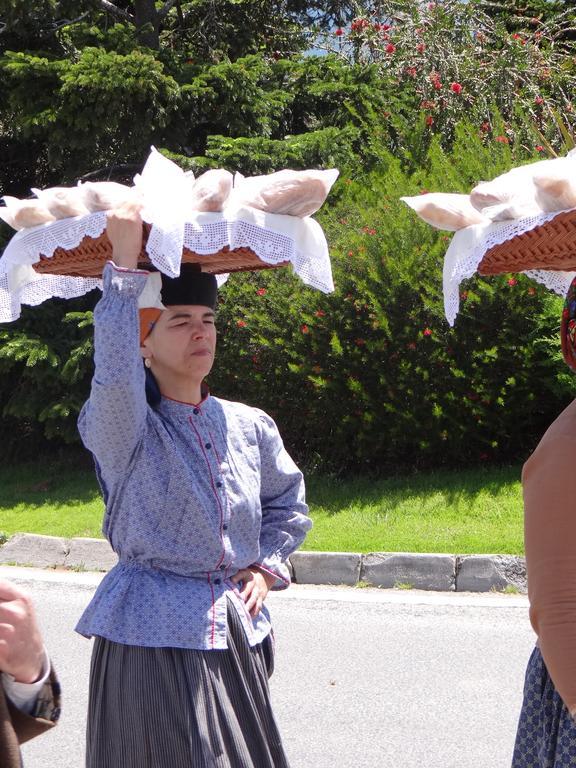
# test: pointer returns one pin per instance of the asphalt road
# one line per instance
(364, 678)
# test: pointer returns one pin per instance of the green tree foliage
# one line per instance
(45, 371)
(372, 371)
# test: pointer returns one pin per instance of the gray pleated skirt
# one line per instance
(180, 708)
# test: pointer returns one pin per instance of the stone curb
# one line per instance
(438, 572)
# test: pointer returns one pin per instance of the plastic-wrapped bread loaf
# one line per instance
(529, 190)
(211, 190)
(293, 193)
(103, 195)
(20, 214)
(555, 191)
(62, 202)
(445, 210)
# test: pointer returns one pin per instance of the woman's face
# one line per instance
(182, 343)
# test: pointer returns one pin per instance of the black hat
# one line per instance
(192, 286)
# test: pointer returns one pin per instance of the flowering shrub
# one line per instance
(455, 59)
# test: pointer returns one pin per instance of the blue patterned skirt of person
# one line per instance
(546, 735)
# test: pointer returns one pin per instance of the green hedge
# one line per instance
(372, 378)
(368, 379)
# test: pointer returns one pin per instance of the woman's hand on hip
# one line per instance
(255, 586)
(124, 230)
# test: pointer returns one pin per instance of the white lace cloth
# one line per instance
(165, 193)
(469, 245)
(274, 238)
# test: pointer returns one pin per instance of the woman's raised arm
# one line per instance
(112, 421)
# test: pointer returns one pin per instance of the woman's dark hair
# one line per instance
(152, 390)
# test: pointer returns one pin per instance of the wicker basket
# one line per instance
(548, 246)
(90, 256)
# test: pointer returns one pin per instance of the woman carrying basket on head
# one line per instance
(203, 506)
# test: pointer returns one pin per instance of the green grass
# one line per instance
(473, 511)
(57, 500)
(460, 512)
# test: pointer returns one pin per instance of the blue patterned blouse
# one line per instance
(193, 493)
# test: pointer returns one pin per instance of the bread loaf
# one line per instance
(211, 190)
(293, 193)
(445, 210)
(103, 195)
(20, 214)
(62, 202)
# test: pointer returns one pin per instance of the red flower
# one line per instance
(485, 127)
(412, 71)
(359, 24)
(502, 139)
(539, 148)
(531, 291)
(384, 27)
(429, 120)
(339, 32)
(512, 281)
(261, 291)
(464, 295)
(359, 342)
(412, 345)
(350, 253)
(319, 313)
(241, 323)
(424, 192)
(538, 100)
(390, 48)
(426, 332)
(304, 328)
(456, 88)
(421, 47)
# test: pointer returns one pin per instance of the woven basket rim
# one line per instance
(89, 257)
(548, 246)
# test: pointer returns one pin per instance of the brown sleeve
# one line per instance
(549, 485)
(45, 715)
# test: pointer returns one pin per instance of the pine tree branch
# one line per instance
(163, 12)
(112, 171)
(120, 13)
(64, 23)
